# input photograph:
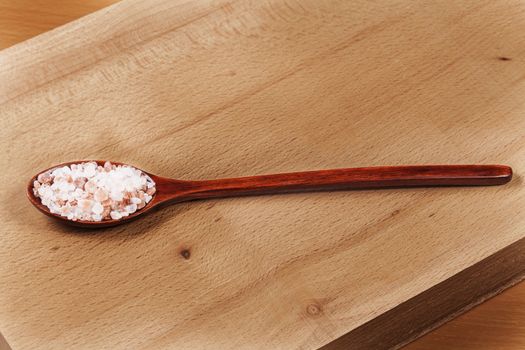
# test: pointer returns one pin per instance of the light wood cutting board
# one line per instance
(206, 89)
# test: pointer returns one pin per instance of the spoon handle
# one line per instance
(352, 178)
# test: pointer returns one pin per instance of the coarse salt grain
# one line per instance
(115, 215)
(97, 208)
(135, 200)
(131, 208)
(90, 192)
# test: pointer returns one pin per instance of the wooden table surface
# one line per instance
(496, 324)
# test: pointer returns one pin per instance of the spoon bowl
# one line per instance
(157, 199)
(172, 190)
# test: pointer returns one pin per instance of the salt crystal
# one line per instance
(80, 181)
(44, 178)
(115, 215)
(90, 170)
(97, 208)
(131, 208)
(107, 210)
(85, 205)
(44, 191)
(56, 172)
(100, 195)
(65, 210)
(62, 186)
(63, 195)
(90, 186)
(114, 205)
(117, 195)
(91, 192)
(127, 171)
(129, 185)
(151, 191)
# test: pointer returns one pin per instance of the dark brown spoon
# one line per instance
(174, 191)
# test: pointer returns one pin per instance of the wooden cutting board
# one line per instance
(206, 89)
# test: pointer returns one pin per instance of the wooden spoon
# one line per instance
(174, 191)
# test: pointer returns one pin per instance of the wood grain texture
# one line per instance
(23, 19)
(248, 82)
